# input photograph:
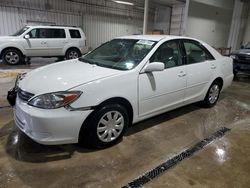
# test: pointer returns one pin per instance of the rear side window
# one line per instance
(58, 33)
(196, 53)
(47, 33)
(74, 33)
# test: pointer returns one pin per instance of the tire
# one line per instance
(72, 53)
(101, 120)
(212, 95)
(12, 56)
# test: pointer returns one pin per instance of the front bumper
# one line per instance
(49, 126)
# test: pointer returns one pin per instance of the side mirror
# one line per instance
(154, 66)
(27, 36)
(242, 47)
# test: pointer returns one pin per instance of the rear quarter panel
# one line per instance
(226, 67)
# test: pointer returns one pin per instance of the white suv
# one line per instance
(42, 41)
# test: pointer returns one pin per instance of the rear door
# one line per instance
(200, 68)
(56, 41)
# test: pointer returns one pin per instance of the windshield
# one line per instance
(21, 31)
(122, 54)
(247, 46)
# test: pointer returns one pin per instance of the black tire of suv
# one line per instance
(14, 51)
(206, 102)
(88, 136)
(74, 51)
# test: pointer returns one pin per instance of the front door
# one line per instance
(159, 91)
(37, 44)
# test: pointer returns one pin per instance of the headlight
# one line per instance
(233, 56)
(55, 100)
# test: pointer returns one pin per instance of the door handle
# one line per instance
(43, 42)
(213, 66)
(182, 74)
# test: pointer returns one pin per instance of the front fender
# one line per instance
(12, 45)
(123, 86)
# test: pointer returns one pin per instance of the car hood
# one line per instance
(4, 38)
(63, 76)
(242, 52)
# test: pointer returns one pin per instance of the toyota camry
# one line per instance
(95, 98)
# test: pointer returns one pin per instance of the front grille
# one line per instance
(23, 95)
(244, 58)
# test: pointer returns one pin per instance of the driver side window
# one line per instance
(169, 54)
(33, 33)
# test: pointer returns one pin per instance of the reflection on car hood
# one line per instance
(241, 51)
(63, 76)
(7, 38)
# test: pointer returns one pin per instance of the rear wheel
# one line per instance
(105, 127)
(12, 56)
(212, 94)
(73, 53)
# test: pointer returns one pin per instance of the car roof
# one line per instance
(52, 26)
(154, 37)
(170, 37)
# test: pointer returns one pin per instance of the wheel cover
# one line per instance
(73, 55)
(213, 94)
(12, 58)
(110, 126)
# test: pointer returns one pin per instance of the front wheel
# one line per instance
(105, 127)
(73, 53)
(12, 57)
(212, 94)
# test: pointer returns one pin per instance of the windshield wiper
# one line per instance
(82, 59)
(92, 62)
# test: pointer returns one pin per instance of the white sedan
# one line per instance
(94, 99)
